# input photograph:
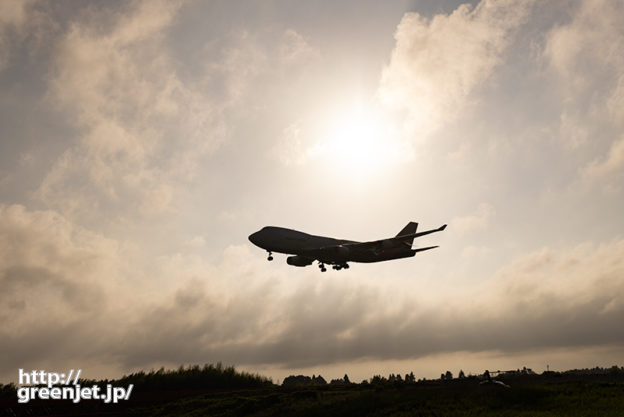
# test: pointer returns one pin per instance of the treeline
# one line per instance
(315, 380)
(189, 378)
(614, 370)
(192, 377)
(209, 376)
(8, 390)
(303, 380)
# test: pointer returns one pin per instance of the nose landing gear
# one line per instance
(270, 257)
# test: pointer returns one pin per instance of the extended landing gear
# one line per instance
(337, 267)
(270, 257)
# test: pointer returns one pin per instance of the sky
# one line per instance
(141, 142)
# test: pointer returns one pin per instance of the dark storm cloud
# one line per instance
(548, 299)
(331, 322)
(54, 279)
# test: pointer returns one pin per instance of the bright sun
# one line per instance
(359, 143)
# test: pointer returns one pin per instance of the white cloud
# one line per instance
(476, 221)
(479, 252)
(142, 128)
(609, 168)
(586, 59)
(587, 276)
(290, 150)
(296, 49)
(588, 52)
(240, 63)
(196, 242)
(437, 63)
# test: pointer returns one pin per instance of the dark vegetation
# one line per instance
(193, 377)
(222, 391)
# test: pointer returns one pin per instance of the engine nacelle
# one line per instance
(299, 260)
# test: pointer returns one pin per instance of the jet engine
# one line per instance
(299, 260)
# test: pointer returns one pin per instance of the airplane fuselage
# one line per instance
(307, 248)
(289, 241)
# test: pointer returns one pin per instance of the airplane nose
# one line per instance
(253, 238)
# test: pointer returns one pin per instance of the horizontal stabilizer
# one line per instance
(439, 229)
(423, 249)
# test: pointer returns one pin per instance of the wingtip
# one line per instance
(442, 228)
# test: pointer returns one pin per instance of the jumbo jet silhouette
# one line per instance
(337, 252)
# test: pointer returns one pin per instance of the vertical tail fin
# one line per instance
(410, 229)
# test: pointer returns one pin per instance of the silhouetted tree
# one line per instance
(296, 381)
(318, 380)
(378, 379)
(8, 391)
(461, 374)
(346, 379)
(448, 375)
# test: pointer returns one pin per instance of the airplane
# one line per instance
(307, 248)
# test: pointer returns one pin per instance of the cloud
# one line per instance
(240, 63)
(544, 300)
(13, 19)
(73, 295)
(587, 53)
(438, 62)
(611, 167)
(290, 150)
(295, 48)
(56, 279)
(144, 125)
(476, 221)
(586, 59)
(141, 127)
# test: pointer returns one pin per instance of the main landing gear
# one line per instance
(270, 257)
(334, 267)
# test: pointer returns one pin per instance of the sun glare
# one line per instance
(359, 143)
